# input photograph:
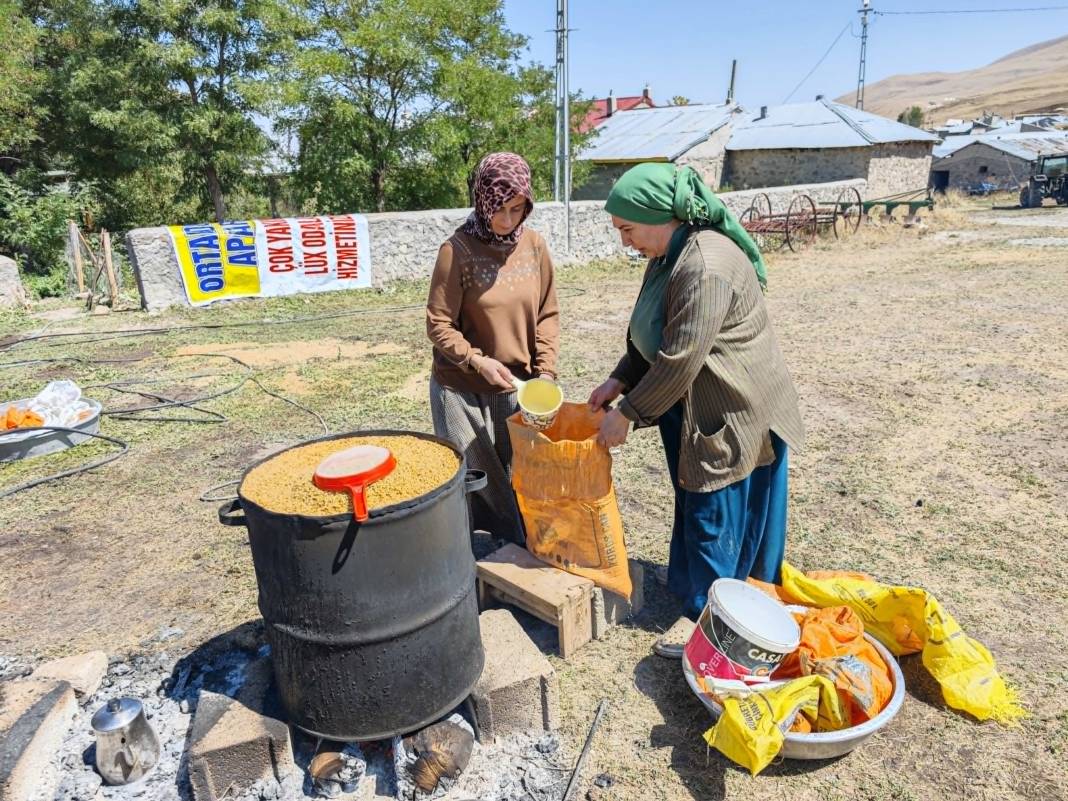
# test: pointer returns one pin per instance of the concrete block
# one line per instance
(12, 293)
(236, 742)
(83, 672)
(35, 716)
(518, 690)
(610, 609)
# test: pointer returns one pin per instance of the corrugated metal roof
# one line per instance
(655, 134)
(1027, 146)
(951, 144)
(820, 124)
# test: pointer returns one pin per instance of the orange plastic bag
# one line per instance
(563, 483)
(16, 417)
(833, 645)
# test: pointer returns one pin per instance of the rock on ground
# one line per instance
(35, 716)
(83, 672)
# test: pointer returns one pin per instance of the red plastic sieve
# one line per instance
(353, 470)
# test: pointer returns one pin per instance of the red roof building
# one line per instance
(604, 108)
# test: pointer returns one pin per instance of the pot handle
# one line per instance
(475, 480)
(231, 514)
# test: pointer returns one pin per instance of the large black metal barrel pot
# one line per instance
(373, 626)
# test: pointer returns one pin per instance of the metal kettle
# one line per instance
(126, 746)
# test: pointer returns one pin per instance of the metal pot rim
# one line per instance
(397, 509)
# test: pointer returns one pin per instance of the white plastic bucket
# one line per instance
(539, 401)
(742, 634)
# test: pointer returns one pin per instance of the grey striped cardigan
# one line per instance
(719, 355)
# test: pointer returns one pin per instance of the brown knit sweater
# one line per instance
(492, 300)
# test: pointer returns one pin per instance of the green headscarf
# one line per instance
(656, 193)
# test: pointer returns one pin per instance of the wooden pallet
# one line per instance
(514, 576)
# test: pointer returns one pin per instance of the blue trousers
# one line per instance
(733, 532)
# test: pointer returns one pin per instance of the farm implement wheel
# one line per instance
(801, 223)
(766, 228)
(848, 211)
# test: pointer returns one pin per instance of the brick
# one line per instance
(518, 690)
(236, 742)
(35, 716)
(83, 672)
(610, 609)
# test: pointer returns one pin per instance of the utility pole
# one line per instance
(559, 105)
(864, 11)
(562, 168)
(730, 88)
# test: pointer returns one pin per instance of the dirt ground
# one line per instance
(932, 366)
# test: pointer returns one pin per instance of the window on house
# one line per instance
(983, 170)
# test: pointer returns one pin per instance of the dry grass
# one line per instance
(932, 366)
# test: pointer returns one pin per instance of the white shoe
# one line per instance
(672, 642)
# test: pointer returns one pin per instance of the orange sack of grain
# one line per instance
(563, 483)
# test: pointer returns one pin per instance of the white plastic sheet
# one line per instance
(60, 404)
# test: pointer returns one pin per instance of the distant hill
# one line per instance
(1034, 79)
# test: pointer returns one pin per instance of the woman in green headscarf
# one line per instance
(703, 364)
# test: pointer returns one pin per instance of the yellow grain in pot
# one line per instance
(284, 485)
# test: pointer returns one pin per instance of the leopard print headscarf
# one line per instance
(498, 178)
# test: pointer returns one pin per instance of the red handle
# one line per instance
(359, 502)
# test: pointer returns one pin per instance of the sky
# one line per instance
(685, 47)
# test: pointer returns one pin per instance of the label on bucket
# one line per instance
(717, 650)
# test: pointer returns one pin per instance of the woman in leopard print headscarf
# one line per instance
(499, 177)
(491, 314)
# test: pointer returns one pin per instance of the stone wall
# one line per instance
(898, 167)
(756, 168)
(888, 169)
(600, 181)
(964, 167)
(404, 245)
(709, 158)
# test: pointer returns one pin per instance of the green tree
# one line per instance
(679, 100)
(396, 100)
(161, 96)
(19, 79)
(912, 116)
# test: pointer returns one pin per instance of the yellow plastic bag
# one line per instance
(563, 483)
(751, 730)
(907, 620)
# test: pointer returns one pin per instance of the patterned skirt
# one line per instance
(477, 424)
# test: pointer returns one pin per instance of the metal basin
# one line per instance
(15, 445)
(826, 745)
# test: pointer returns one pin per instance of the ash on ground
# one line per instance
(521, 767)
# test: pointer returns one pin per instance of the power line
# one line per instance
(969, 11)
(823, 58)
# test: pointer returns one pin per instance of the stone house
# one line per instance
(694, 135)
(1001, 160)
(801, 143)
